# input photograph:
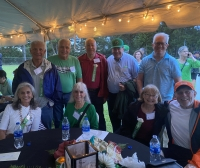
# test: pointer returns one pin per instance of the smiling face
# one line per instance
(64, 47)
(117, 52)
(91, 47)
(79, 95)
(37, 50)
(185, 96)
(150, 98)
(183, 52)
(138, 55)
(25, 95)
(160, 46)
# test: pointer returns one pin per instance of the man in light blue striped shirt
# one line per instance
(122, 67)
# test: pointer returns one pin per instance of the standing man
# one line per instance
(69, 70)
(159, 68)
(195, 71)
(43, 75)
(95, 72)
(183, 125)
(122, 67)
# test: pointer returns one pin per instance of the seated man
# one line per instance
(5, 86)
(183, 124)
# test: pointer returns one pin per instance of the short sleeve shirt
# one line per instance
(69, 70)
(161, 74)
(6, 87)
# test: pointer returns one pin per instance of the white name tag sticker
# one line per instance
(76, 115)
(96, 60)
(72, 69)
(150, 116)
(38, 70)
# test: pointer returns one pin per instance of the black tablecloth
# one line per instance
(44, 142)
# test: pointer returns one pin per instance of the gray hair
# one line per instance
(36, 42)
(181, 49)
(16, 102)
(166, 36)
(66, 40)
(80, 86)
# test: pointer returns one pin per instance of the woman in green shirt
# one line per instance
(186, 62)
(78, 101)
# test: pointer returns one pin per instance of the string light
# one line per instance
(85, 24)
(11, 36)
(80, 28)
(128, 20)
(95, 29)
(41, 32)
(152, 18)
(179, 9)
(104, 21)
(120, 20)
(146, 15)
(169, 6)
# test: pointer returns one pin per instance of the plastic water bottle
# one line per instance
(154, 149)
(18, 136)
(65, 129)
(86, 128)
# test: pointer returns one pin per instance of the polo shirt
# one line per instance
(69, 70)
(161, 74)
(6, 88)
(126, 68)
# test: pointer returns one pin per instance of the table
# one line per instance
(45, 142)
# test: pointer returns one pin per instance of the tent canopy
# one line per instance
(24, 20)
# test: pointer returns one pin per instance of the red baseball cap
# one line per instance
(183, 83)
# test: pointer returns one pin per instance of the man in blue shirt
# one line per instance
(122, 67)
(159, 68)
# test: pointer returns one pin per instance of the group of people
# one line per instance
(42, 87)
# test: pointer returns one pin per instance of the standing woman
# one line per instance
(186, 62)
(138, 56)
(78, 103)
(151, 110)
(23, 109)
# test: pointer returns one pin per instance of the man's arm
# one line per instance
(2, 134)
(139, 82)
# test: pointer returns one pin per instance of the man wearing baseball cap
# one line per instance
(183, 125)
(122, 67)
(126, 48)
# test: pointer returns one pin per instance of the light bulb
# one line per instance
(120, 20)
(95, 29)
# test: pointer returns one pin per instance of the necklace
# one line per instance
(20, 114)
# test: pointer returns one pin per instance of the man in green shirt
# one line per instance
(69, 70)
(5, 86)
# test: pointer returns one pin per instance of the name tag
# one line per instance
(96, 60)
(150, 116)
(38, 70)
(72, 69)
(76, 115)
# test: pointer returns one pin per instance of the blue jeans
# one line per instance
(47, 116)
(58, 109)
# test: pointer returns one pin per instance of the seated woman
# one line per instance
(78, 101)
(149, 108)
(23, 109)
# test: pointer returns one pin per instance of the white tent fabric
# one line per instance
(66, 18)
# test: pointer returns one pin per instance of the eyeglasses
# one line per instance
(187, 92)
(148, 95)
(160, 43)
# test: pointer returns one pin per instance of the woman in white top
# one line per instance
(23, 109)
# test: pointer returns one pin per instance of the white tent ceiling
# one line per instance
(25, 19)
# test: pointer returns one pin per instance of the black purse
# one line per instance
(80, 118)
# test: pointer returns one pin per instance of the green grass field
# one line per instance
(9, 70)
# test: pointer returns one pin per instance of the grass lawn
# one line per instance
(9, 70)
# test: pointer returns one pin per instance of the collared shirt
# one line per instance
(126, 68)
(38, 82)
(161, 74)
(6, 88)
(88, 70)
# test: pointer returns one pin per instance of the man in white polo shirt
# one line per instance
(183, 124)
